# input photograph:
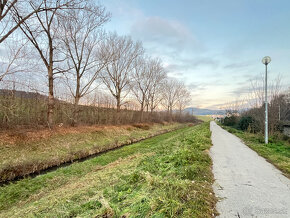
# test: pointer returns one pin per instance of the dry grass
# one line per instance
(28, 151)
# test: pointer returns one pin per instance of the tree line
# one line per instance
(66, 41)
(248, 114)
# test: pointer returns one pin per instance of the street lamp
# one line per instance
(266, 60)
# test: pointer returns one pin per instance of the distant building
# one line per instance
(229, 114)
(218, 117)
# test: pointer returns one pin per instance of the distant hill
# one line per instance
(27, 95)
(203, 111)
(35, 95)
(22, 94)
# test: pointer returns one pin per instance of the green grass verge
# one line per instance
(25, 157)
(165, 176)
(276, 152)
(205, 118)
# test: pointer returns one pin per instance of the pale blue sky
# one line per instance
(215, 47)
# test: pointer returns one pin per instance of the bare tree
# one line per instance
(81, 47)
(234, 108)
(12, 62)
(42, 32)
(256, 98)
(142, 77)
(116, 75)
(170, 95)
(155, 89)
(256, 93)
(24, 10)
(284, 107)
(183, 99)
(7, 9)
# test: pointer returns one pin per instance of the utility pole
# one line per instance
(266, 60)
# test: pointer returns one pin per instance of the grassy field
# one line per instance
(165, 176)
(276, 152)
(204, 118)
(27, 152)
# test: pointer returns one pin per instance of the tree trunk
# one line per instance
(142, 108)
(50, 85)
(76, 111)
(141, 112)
(50, 108)
(118, 109)
(170, 113)
(76, 103)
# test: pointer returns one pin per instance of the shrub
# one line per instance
(231, 121)
(250, 124)
(245, 122)
(232, 131)
(254, 127)
(285, 137)
(142, 126)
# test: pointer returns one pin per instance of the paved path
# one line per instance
(246, 184)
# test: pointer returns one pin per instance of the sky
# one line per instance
(214, 47)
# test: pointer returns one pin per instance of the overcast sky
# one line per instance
(215, 47)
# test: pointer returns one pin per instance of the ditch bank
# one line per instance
(21, 171)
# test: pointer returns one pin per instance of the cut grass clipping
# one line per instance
(165, 176)
(24, 157)
(276, 152)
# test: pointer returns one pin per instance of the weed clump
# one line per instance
(142, 126)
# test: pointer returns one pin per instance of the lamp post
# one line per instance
(266, 60)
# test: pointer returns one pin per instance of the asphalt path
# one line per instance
(245, 183)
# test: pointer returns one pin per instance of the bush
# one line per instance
(232, 131)
(142, 126)
(255, 127)
(231, 121)
(248, 123)
(245, 122)
(285, 137)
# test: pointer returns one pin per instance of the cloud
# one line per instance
(240, 65)
(236, 65)
(177, 75)
(175, 67)
(162, 33)
(201, 86)
(204, 61)
(241, 90)
(196, 86)
(182, 65)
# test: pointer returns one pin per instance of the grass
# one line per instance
(276, 152)
(166, 176)
(22, 157)
(205, 118)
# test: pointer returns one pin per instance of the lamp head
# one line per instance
(266, 60)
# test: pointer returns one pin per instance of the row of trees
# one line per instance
(249, 113)
(74, 50)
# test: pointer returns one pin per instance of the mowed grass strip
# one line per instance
(28, 156)
(204, 118)
(276, 152)
(165, 176)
